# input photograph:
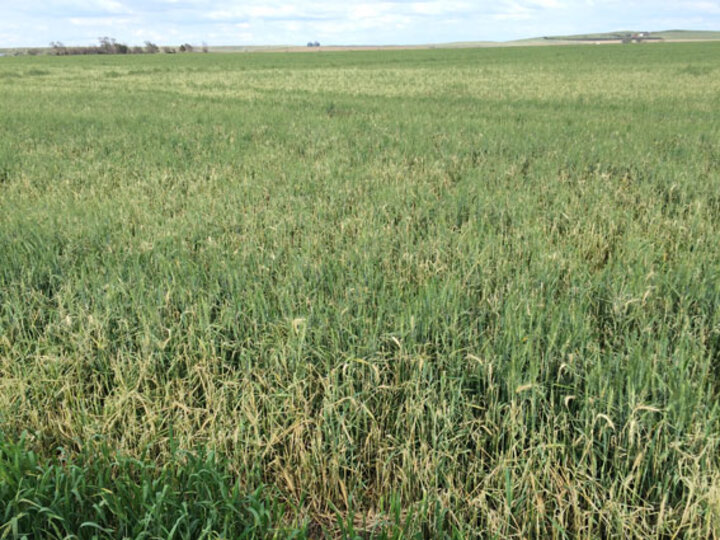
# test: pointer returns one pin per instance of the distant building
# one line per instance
(639, 37)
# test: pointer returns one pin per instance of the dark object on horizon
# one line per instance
(151, 48)
(110, 46)
(58, 48)
(313, 44)
(636, 37)
(106, 46)
(639, 37)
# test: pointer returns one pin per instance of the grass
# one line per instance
(100, 495)
(689, 34)
(397, 294)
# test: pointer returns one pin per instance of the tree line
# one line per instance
(109, 45)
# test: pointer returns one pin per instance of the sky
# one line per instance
(341, 22)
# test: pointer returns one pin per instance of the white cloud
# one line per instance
(111, 6)
(440, 8)
(97, 22)
(548, 4)
(712, 8)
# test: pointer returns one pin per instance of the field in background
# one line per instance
(465, 292)
(670, 35)
(589, 39)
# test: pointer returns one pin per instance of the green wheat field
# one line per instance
(390, 294)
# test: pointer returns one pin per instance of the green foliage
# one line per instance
(418, 293)
(101, 495)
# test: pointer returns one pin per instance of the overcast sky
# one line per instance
(255, 22)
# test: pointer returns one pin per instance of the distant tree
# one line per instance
(205, 47)
(107, 45)
(188, 47)
(151, 48)
(169, 50)
(58, 48)
(316, 44)
(310, 44)
(111, 46)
